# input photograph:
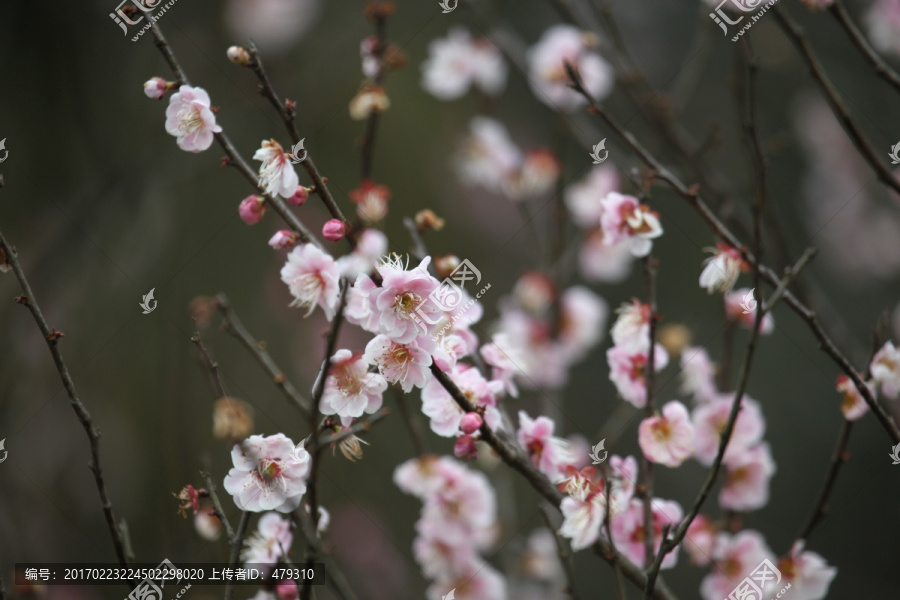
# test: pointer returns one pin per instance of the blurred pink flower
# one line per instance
(626, 220)
(628, 529)
(312, 277)
(807, 572)
(627, 370)
(710, 419)
(885, 370)
(489, 157)
(747, 475)
(632, 327)
(853, 405)
(698, 374)
(722, 269)
(269, 474)
(190, 119)
(584, 198)
(736, 557)
(270, 542)
(667, 439)
(735, 311)
(456, 62)
(334, 230)
(583, 316)
(599, 261)
(251, 209)
(699, 540)
(272, 24)
(446, 414)
(558, 45)
(582, 519)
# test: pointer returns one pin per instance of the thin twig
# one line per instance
(859, 40)
(367, 148)
(233, 325)
(217, 505)
(237, 541)
(691, 195)
(649, 380)
(607, 525)
(795, 34)
(51, 337)
(412, 424)
(838, 458)
(212, 365)
(564, 552)
(362, 424)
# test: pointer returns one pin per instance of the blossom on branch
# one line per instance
(190, 119)
(269, 473)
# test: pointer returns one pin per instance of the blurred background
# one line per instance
(103, 206)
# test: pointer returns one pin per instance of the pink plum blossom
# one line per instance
(276, 173)
(583, 316)
(885, 369)
(722, 269)
(481, 582)
(535, 292)
(735, 311)
(561, 44)
(540, 559)
(350, 390)
(710, 419)
(626, 220)
(190, 119)
(371, 246)
(550, 454)
(299, 197)
(470, 423)
(584, 199)
(883, 23)
(269, 473)
(853, 404)
(402, 303)
(446, 415)
(465, 447)
(287, 590)
(502, 356)
(807, 572)
(627, 370)
(747, 475)
(667, 439)
(537, 175)
(313, 279)
(371, 201)
(623, 476)
(406, 364)
(457, 62)
(628, 530)
(735, 557)
(270, 542)
(156, 88)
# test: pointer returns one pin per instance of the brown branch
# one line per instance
(367, 148)
(541, 484)
(237, 541)
(51, 337)
(862, 44)
(212, 365)
(838, 458)
(649, 264)
(795, 34)
(607, 525)
(412, 424)
(563, 551)
(692, 196)
(234, 157)
(217, 505)
(362, 424)
(232, 324)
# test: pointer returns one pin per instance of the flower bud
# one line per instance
(370, 100)
(426, 219)
(239, 56)
(232, 419)
(251, 209)
(283, 240)
(207, 524)
(286, 590)
(445, 264)
(334, 230)
(156, 88)
(470, 423)
(465, 447)
(674, 337)
(299, 196)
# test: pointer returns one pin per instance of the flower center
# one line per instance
(190, 118)
(306, 289)
(406, 304)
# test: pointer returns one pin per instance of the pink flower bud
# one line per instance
(465, 447)
(239, 56)
(286, 590)
(252, 209)
(333, 230)
(283, 239)
(299, 196)
(470, 423)
(156, 88)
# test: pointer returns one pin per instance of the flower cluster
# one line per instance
(458, 521)
(629, 356)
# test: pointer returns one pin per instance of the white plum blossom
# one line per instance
(599, 261)
(561, 44)
(584, 198)
(722, 269)
(698, 374)
(582, 519)
(402, 304)
(885, 369)
(313, 278)
(853, 405)
(632, 327)
(489, 158)
(371, 246)
(270, 542)
(190, 119)
(457, 62)
(276, 173)
(269, 473)
(350, 390)
(626, 220)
